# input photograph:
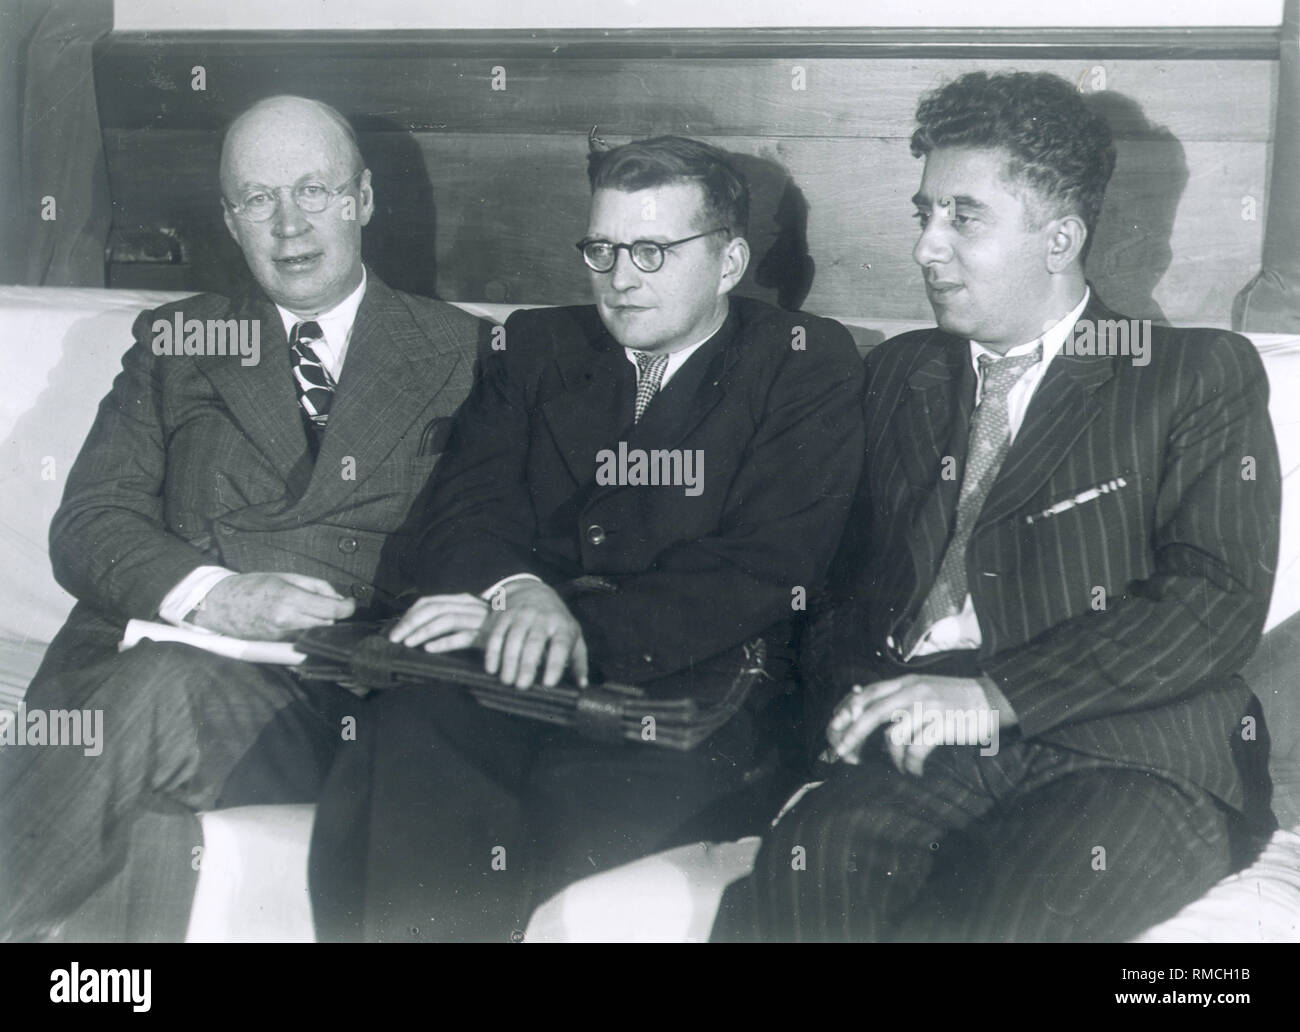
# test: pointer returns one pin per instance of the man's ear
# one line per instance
(735, 260)
(229, 217)
(367, 195)
(1065, 239)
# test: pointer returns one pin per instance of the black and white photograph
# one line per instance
(649, 472)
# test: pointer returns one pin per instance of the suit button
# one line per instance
(347, 544)
(362, 592)
(596, 534)
(647, 658)
(225, 528)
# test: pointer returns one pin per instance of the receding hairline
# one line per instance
(287, 100)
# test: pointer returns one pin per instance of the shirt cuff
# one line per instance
(181, 600)
(513, 578)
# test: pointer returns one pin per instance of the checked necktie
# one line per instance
(649, 375)
(990, 439)
(315, 385)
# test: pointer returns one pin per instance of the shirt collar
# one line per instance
(678, 358)
(1053, 339)
(336, 324)
(675, 361)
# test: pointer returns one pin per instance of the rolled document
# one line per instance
(280, 652)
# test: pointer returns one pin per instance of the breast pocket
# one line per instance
(434, 437)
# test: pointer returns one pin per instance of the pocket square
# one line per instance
(434, 437)
(1091, 494)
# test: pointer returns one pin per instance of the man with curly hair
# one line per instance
(1062, 553)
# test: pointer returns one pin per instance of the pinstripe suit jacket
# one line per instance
(1116, 626)
(196, 460)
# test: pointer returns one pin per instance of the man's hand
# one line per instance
(527, 623)
(868, 707)
(442, 623)
(533, 622)
(271, 606)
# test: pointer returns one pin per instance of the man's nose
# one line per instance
(932, 246)
(625, 275)
(288, 220)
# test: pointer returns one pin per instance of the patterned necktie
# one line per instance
(990, 439)
(315, 385)
(649, 375)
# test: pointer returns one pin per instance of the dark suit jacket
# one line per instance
(202, 460)
(681, 578)
(1185, 551)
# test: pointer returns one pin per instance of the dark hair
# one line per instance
(1054, 142)
(643, 164)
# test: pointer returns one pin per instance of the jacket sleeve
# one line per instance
(483, 524)
(1197, 619)
(109, 543)
(783, 518)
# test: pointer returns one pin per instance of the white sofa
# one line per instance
(59, 351)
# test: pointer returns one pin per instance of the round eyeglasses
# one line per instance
(259, 203)
(646, 255)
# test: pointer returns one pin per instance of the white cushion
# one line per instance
(253, 876)
(59, 351)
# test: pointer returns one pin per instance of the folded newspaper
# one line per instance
(279, 652)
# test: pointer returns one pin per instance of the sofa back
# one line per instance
(60, 349)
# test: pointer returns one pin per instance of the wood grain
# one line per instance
(493, 217)
(145, 88)
(481, 192)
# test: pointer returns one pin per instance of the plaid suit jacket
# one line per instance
(196, 460)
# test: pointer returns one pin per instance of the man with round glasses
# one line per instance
(446, 820)
(252, 499)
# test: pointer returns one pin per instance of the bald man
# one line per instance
(254, 472)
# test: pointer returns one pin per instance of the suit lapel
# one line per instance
(923, 422)
(1061, 409)
(691, 394)
(388, 377)
(262, 398)
(595, 409)
(931, 427)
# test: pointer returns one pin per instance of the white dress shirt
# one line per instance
(675, 361)
(336, 326)
(962, 630)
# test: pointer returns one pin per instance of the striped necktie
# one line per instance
(315, 385)
(649, 375)
(990, 439)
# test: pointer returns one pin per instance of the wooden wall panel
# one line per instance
(484, 198)
(493, 217)
(1204, 100)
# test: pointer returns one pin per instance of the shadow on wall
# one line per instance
(400, 243)
(780, 269)
(1132, 249)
